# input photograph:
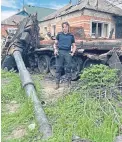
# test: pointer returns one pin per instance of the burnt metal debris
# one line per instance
(24, 50)
(24, 41)
(38, 55)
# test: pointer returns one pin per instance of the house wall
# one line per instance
(101, 18)
(83, 19)
(4, 28)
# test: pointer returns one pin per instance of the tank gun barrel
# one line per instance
(25, 40)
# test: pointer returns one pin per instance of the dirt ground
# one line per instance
(47, 86)
(49, 94)
(17, 133)
(12, 107)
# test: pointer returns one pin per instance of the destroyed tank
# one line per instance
(38, 54)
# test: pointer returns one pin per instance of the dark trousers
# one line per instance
(63, 60)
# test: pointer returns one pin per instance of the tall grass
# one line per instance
(11, 91)
(89, 114)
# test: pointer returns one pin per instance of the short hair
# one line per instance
(66, 23)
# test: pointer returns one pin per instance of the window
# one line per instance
(11, 30)
(99, 33)
(105, 30)
(54, 30)
(79, 1)
(94, 25)
(45, 29)
(99, 29)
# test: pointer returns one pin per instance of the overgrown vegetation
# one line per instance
(13, 95)
(81, 113)
(99, 76)
(83, 116)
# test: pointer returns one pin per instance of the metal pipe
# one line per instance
(28, 85)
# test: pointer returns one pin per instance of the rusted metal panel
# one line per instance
(89, 44)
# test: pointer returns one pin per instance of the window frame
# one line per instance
(102, 32)
(45, 29)
(53, 31)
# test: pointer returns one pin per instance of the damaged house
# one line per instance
(88, 18)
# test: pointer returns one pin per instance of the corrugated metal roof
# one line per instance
(98, 5)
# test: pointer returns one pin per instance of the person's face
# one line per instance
(65, 28)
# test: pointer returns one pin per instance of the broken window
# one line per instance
(99, 29)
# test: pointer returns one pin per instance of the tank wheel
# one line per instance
(89, 62)
(76, 67)
(8, 63)
(43, 64)
(77, 64)
(52, 65)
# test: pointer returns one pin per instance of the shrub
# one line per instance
(99, 76)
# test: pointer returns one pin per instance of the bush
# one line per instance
(99, 76)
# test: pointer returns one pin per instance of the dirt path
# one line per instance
(48, 92)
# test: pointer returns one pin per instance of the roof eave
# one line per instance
(103, 11)
(79, 10)
(60, 15)
(8, 24)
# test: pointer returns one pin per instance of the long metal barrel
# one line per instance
(28, 85)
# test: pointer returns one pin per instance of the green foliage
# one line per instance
(99, 76)
(78, 113)
(86, 116)
(81, 115)
(11, 87)
(12, 91)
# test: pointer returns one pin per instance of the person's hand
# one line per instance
(56, 52)
(72, 53)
